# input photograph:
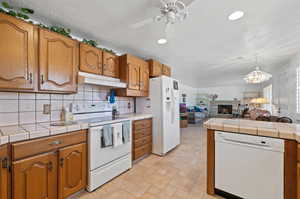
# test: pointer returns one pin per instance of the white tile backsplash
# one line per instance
(26, 105)
(27, 96)
(40, 104)
(27, 117)
(41, 117)
(9, 95)
(26, 108)
(7, 119)
(9, 106)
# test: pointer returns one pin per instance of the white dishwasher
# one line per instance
(249, 167)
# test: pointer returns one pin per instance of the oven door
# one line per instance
(99, 156)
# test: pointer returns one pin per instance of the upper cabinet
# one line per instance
(18, 56)
(90, 59)
(155, 68)
(135, 72)
(110, 65)
(96, 61)
(58, 62)
(144, 76)
(166, 70)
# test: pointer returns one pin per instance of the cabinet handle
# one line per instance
(61, 162)
(50, 166)
(5, 163)
(54, 143)
(42, 79)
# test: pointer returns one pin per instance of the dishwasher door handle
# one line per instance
(263, 143)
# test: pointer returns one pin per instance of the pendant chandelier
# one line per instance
(257, 76)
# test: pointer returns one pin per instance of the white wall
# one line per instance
(229, 92)
(284, 83)
(190, 92)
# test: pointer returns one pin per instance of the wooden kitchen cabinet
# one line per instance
(135, 72)
(52, 167)
(4, 172)
(142, 139)
(72, 169)
(144, 77)
(18, 58)
(58, 62)
(166, 70)
(155, 68)
(110, 65)
(90, 59)
(35, 177)
(298, 180)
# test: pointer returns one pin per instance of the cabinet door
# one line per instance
(72, 170)
(110, 65)
(4, 172)
(133, 76)
(90, 59)
(17, 54)
(58, 62)
(35, 177)
(166, 70)
(155, 68)
(298, 181)
(144, 77)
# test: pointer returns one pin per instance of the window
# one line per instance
(298, 90)
(268, 95)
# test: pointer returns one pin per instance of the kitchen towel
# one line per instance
(107, 136)
(126, 132)
(117, 134)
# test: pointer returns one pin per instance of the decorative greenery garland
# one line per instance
(23, 13)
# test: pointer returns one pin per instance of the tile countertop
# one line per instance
(30, 131)
(252, 127)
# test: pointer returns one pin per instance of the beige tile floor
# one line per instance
(181, 174)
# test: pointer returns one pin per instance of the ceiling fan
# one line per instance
(171, 12)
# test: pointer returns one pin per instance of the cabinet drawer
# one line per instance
(142, 124)
(141, 151)
(137, 134)
(298, 152)
(142, 141)
(37, 146)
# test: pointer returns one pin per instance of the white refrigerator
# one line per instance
(163, 103)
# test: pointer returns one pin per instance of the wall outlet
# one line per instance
(46, 109)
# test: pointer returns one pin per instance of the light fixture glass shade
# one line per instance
(260, 100)
(257, 76)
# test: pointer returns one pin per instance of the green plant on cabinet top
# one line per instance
(16, 12)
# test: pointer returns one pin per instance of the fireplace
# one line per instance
(224, 109)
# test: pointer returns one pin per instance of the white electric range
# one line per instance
(104, 163)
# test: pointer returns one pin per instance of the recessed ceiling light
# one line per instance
(236, 15)
(162, 41)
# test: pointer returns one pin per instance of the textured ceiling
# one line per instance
(204, 50)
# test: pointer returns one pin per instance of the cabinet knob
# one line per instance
(50, 166)
(5, 163)
(29, 77)
(56, 142)
(42, 79)
(61, 162)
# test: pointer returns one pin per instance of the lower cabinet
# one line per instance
(72, 170)
(4, 172)
(35, 177)
(58, 173)
(298, 179)
(142, 138)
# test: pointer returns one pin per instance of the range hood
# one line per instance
(87, 78)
